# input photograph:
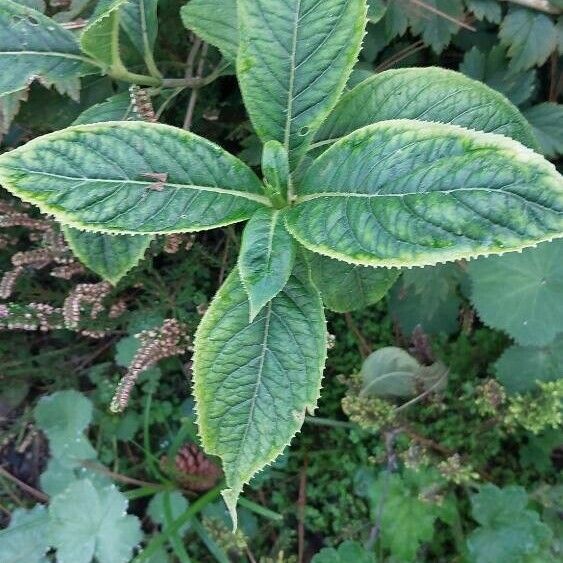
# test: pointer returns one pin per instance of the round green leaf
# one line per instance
(521, 367)
(521, 293)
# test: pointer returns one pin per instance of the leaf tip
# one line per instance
(230, 497)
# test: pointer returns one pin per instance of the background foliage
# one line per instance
(458, 460)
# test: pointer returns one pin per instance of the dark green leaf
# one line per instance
(132, 178)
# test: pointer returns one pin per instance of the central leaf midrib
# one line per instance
(292, 67)
(250, 418)
(146, 184)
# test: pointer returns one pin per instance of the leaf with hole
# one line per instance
(132, 177)
(293, 62)
(253, 382)
(34, 47)
(404, 192)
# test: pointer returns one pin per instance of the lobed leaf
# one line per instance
(293, 62)
(530, 37)
(34, 47)
(429, 94)
(409, 193)
(266, 258)
(547, 122)
(521, 367)
(349, 287)
(87, 521)
(215, 21)
(25, 539)
(111, 257)
(132, 177)
(521, 293)
(254, 381)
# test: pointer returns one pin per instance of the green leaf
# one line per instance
(530, 36)
(508, 531)
(349, 287)
(405, 521)
(133, 178)
(25, 539)
(293, 62)
(116, 108)
(547, 122)
(254, 381)
(427, 298)
(111, 257)
(87, 522)
(430, 94)
(521, 293)
(346, 552)
(486, 10)
(100, 38)
(415, 193)
(275, 169)
(491, 68)
(9, 107)
(433, 21)
(396, 19)
(520, 367)
(266, 258)
(64, 416)
(216, 22)
(376, 10)
(34, 47)
(139, 20)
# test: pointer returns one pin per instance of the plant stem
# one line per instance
(319, 421)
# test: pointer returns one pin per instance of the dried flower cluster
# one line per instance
(142, 104)
(176, 241)
(30, 317)
(171, 339)
(83, 294)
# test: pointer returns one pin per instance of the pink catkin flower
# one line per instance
(169, 340)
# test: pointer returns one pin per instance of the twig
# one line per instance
(363, 344)
(400, 55)
(301, 501)
(442, 14)
(118, 476)
(41, 497)
(540, 5)
(554, 85)
(194, 95)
